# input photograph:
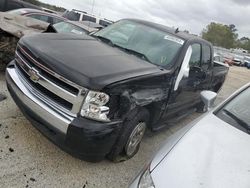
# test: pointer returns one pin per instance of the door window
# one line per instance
(57, 20)
(195, 60)
(88, 18)
(206, 57)
(39, 17)
(71, 15)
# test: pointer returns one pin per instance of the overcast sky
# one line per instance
(192, 15)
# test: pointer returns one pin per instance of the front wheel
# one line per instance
(130, 137)
(135, 138)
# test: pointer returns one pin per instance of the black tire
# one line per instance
(118, 153)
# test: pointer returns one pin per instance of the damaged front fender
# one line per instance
(147, 96)
(151, 93)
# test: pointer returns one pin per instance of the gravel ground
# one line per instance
(28, 159)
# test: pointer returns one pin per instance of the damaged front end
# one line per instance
(151, 93)
(12, 28)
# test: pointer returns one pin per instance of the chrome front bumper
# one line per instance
(36, 103)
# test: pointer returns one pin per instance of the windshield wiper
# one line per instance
(131, 51)
(238, 120)
(104, 39)
(138, 54)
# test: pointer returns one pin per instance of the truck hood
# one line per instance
(211, 154)
(84, 60)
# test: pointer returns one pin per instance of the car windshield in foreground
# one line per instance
(65, 27)
(148, 43)
(237, 111)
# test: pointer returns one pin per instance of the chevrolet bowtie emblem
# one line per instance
(34, 75)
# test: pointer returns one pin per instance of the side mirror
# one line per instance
(208, 98)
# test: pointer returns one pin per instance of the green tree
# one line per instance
(45, 5)
(220, 35)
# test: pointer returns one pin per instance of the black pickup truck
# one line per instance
(95, 95)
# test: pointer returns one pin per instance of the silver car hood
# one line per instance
(211, 154)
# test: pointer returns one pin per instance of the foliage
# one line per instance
(52, 7)
(220, 35)
(225, 36)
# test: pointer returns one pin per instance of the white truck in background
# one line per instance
(78, 15)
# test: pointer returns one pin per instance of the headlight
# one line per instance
(94, 106)
(146, 180)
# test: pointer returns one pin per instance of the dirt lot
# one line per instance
(28, 159)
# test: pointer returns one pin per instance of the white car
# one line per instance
(209, 153)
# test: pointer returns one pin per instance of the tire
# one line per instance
(121, 150)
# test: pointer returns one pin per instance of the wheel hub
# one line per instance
(135, 138)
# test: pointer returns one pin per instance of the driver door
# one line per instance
(188, 91)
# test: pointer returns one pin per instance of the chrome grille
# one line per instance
(59, 92)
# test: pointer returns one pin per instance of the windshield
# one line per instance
(158, 47)
(64, 27)
(237, 111)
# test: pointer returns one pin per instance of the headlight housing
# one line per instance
(146, 180)
(94, 106)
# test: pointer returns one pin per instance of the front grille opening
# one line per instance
(67, 105)
(53, 79)
(60, 83)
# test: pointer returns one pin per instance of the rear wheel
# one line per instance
(130, 137)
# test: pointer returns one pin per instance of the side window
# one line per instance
(217, 58)
(104, 23)
(206, 57)
(88, 18)
(195, 59)
(57, 20)
(74, 16)
(39, 17)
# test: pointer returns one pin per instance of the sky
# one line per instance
(191, 15)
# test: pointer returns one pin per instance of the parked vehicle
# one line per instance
(247, 61)
(95, 95)
(12, 28)
(6, 5)
(78, 15)
(39, 15)
(92, 24)
(238, 60)
(210, 152)
(73, 27)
